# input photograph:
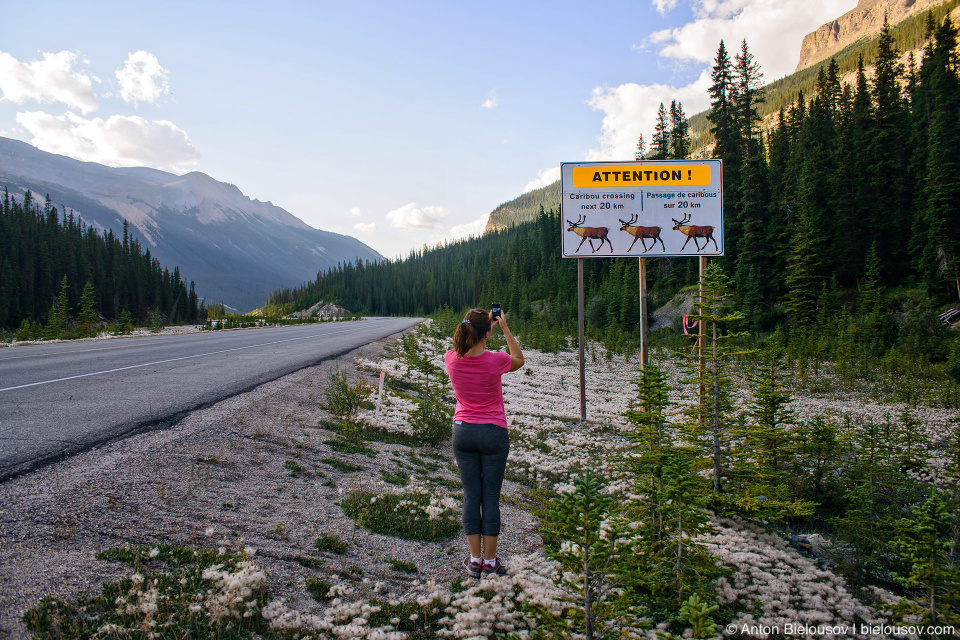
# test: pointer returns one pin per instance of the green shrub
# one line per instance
(402, 565)
(400, 478)
(343, 399)
(404, 515)
(346, 467)
(318, 589)
(432, 419)
(330, 543)
(310, 563)
(350, 446)
(294, 468)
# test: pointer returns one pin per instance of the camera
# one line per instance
(495, 310)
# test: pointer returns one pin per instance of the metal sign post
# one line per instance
(644, 338)
(580, 336)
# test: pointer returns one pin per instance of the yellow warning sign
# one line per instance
(692, 175)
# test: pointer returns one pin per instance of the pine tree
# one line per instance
(942, 186)
(890, 182)
(711, 420)
(871, 291)
(57, 323)
(652, 435)
(803, 279)
(87, 316)
(661, 136)
(767, 446)
(926, 544)
(748, 94)
(594, 547)
(639, 155)
(684, 564)
(679, 131)
(722, 114)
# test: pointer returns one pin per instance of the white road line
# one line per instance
(148, 364)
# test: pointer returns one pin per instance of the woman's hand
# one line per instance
(512, 345)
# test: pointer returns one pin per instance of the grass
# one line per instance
(156, 600)
(429, 466)
(402, 565)
(346, 467)
(423, 624)
(402, 515)
(370, 432)
(330, 543)
(347, 446)
(310, 563)
(453, 485)
(294, 468)
(318, 589)
(400, 478)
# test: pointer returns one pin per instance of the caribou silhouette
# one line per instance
(641, 234)
(694, 231)
(590, 233)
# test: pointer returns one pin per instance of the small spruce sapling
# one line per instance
(697, 614)
(597, 554)
(925, 543)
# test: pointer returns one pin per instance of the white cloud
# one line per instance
(544, 177)
(355, 211)
(631, 109)
(467, 229)
(53, 79)
(664, 6)
(491, 101)
(365, 227)
(142, 78)
(410, 216)
(117, 141)
(773, 29)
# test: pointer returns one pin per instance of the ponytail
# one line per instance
(471, 331)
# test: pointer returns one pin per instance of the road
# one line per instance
(60, 399)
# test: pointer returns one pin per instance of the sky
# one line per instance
(402, 124)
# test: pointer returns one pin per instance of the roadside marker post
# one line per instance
(376, 417)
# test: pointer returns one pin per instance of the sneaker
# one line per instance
(497, 569)
(473, 568)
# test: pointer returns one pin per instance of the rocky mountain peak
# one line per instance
(865, 20)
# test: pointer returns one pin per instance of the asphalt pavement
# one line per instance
(59, 399)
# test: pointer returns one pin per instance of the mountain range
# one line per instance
(237, 250)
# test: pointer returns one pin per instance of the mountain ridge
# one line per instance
(238, 250)
(864, 20)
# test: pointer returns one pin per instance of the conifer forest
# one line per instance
(843, 234)
(62, 278)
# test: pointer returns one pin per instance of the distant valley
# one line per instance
(236, 249)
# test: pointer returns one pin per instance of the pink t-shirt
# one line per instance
(476, 382)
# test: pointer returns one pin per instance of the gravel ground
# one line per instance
(222, 467)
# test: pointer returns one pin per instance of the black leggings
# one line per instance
(481, 451)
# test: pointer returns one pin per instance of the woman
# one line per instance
(480, 438)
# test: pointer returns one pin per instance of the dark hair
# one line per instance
(471, 331)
